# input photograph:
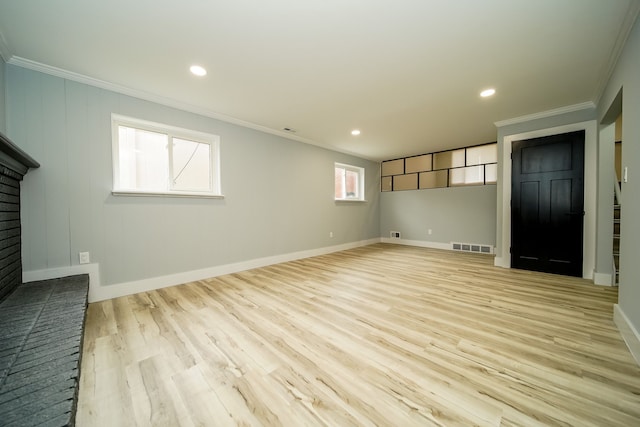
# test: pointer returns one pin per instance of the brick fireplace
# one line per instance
(41, 323)
(14, 164)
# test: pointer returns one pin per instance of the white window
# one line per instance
(349, 182)
(152, 158)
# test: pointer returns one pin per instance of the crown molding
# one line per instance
(549, 113)
(625, 30)
(630, 19)
(147, 96)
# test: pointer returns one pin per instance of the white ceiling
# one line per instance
(407, 73)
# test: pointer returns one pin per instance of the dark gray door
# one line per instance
(547, 208)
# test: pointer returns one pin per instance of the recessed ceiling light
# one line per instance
(198, 70)
(355, 132)
(487, 92)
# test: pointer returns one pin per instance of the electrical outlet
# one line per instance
(331, 234)
(429, 232)
(84, 257)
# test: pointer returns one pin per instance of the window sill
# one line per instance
(350, 200)
(185, 194)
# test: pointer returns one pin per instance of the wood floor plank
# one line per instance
(382, 335)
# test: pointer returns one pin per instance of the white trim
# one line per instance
(187, 194)
(602, 279)
(590, 185)
(503, 262)
(136, 93)
(100, 293)
(419, 243)
(93, 270)
(625, 30)
(549, 113)
(628, 331)
(195, 135)
(360, 172)
(170, 133)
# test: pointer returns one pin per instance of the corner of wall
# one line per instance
(3, 102)
(93, 270)
(629, 333)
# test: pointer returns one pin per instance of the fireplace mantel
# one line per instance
(12, 157)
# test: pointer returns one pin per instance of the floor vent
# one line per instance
(472, 247)
(394, 234)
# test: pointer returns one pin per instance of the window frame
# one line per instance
(360, 185)
(171, 132)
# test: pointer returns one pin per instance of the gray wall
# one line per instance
(279, 193)
(3, 115)
(626, 76)
(455, 214)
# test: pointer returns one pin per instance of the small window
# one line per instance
(491, 173)
(482, 154)
(349, 182)
(448, 159)
(151, 158)
(466, 176)
(393, 167)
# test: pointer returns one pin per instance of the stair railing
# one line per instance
(618, 191)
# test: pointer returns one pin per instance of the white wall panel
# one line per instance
(56, 186)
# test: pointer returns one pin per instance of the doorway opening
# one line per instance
(611, 199)
(503, 239)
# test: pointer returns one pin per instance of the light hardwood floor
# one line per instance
(382, 335)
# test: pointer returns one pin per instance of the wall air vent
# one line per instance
(472, 247)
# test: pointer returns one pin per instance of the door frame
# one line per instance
(590, 189)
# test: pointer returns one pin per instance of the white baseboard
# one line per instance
(419, 243)
(100, 293)
(432, 245)
(628, 332)
(602, 279)
(501, 262)
(93, 270)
